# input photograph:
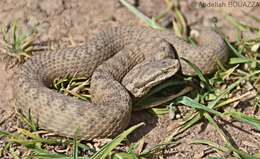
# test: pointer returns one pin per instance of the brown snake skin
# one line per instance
(106, 58)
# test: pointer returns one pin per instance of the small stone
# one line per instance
(194, 33)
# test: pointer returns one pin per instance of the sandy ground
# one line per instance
(62, 20)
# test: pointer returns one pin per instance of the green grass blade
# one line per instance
(160, 111)
(75, 148)
(106, 150)
(5, 36)
(27, 142)
(233, 49)
(14, 35)
(210, 143)
(28, 121)
(159, 88)
(76, 144)
(42, 154)
(14, 153)
(192, 103)
(257, 19)
(251, 120)
(199, 73)
(28, 133)
(212, 104)
(239, 60)
(124, 155)
(185, 126)
(219, 130)
(158, 147)
(140, 15)
(191, 41)
(4, 133)
(242, 154)
(226, 148)
(235, 23)
(230, 87)
(181, 29)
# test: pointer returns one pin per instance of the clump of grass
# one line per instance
(43, 145)
(73, 86)
(17, 44)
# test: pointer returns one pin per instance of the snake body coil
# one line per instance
(105, 60)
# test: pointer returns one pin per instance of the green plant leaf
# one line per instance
(192, 103)
(106, 150)
(199, 73)
(144, 18)
(251, 120)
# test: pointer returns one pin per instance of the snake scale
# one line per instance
(106, 58)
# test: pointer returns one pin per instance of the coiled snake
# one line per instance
(137, 57)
